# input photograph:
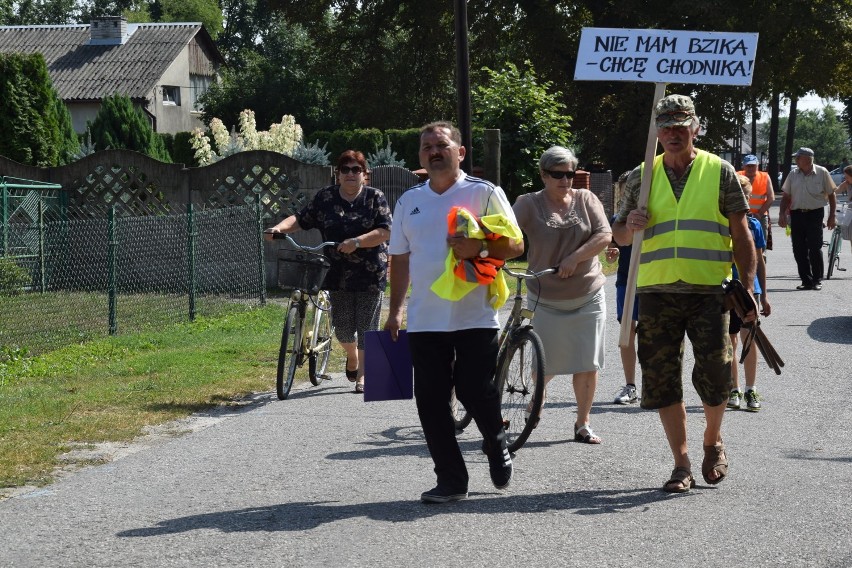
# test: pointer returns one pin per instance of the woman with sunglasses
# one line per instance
(567, 228)
(358, 217)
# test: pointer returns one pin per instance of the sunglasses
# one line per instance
(353, 169)
(560, 175)
(678, 115)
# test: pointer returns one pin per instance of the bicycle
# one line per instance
(307, 328)
(835, 243)
(520, 370)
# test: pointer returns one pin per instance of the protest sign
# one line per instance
(666, 56)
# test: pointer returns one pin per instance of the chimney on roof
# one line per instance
(108, 30)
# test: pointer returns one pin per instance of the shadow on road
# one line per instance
(837, 329)
(300, 516)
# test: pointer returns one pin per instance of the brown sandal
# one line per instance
(714, 459)
(681, 481)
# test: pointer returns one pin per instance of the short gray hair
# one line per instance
(557, 156)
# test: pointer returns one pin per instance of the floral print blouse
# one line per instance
(338, 220)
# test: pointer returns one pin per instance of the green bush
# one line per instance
(12, 277)
(337, 143)
(312, 153)
(384, 157)
(120, 124)
(36, 125)
(406, 143)
(181, 150)
(366, 140)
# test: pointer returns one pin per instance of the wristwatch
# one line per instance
(357, 242)
(483, 251)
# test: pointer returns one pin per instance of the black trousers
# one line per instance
(466, 360)
(806, 232)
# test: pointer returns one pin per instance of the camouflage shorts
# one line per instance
(664, 320)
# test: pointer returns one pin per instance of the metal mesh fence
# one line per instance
(80, 277)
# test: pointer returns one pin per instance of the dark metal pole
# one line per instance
(463, 83)
(192, 238)
(112, 245)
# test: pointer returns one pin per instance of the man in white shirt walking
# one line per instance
(453, 342)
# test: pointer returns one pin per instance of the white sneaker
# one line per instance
(752, 400)
(734, 400)
(627, 395)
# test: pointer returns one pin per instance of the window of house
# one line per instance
(171, 95)
(198, 85)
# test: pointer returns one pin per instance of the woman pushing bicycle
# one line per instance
(567, 228)
(358, 217)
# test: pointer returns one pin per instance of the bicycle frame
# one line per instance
(520, 367)
(311, 341)
(519, 314)
(835, 244)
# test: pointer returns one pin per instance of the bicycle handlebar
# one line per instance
(530, 275)
(288, 238)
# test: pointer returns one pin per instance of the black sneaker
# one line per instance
(500, 467)
(441, 494)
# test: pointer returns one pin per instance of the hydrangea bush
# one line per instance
(283, 137)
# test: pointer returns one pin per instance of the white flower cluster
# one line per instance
(283, 137)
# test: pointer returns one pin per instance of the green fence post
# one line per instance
(260, 260)
(4, 216)
(190, 255)
(64, 230)
(42, 263)
(111, 252)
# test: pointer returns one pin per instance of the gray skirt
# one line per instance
(572, 331)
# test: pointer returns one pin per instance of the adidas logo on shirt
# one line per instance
(415, 211)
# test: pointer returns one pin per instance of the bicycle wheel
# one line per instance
(520, 379)
(319, 357)
(833, 253)
(461, 416)
(290, 352)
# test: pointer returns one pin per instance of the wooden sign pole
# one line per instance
(642, 203)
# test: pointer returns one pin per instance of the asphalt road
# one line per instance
(324, 479)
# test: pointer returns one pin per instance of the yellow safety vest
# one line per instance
(687, 240)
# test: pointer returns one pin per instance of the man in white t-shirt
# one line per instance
(453, 342)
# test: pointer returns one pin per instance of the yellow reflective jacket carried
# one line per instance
(460, 277)
(686, 240)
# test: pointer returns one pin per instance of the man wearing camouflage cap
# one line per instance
(806, 190)
(694, 227)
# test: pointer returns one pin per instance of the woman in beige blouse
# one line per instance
(567, 228)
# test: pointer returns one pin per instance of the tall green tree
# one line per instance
(36, 12)
(35, 123)
(69, 141)
(120, 124)
(820, 130)
(207, 12)
(530, 117)
(282, 77)
(7, 12)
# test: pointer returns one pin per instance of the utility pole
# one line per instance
(463, 83)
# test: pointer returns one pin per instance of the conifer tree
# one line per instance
(119, 124)
(36, 125)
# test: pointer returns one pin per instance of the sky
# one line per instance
(812, 102)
